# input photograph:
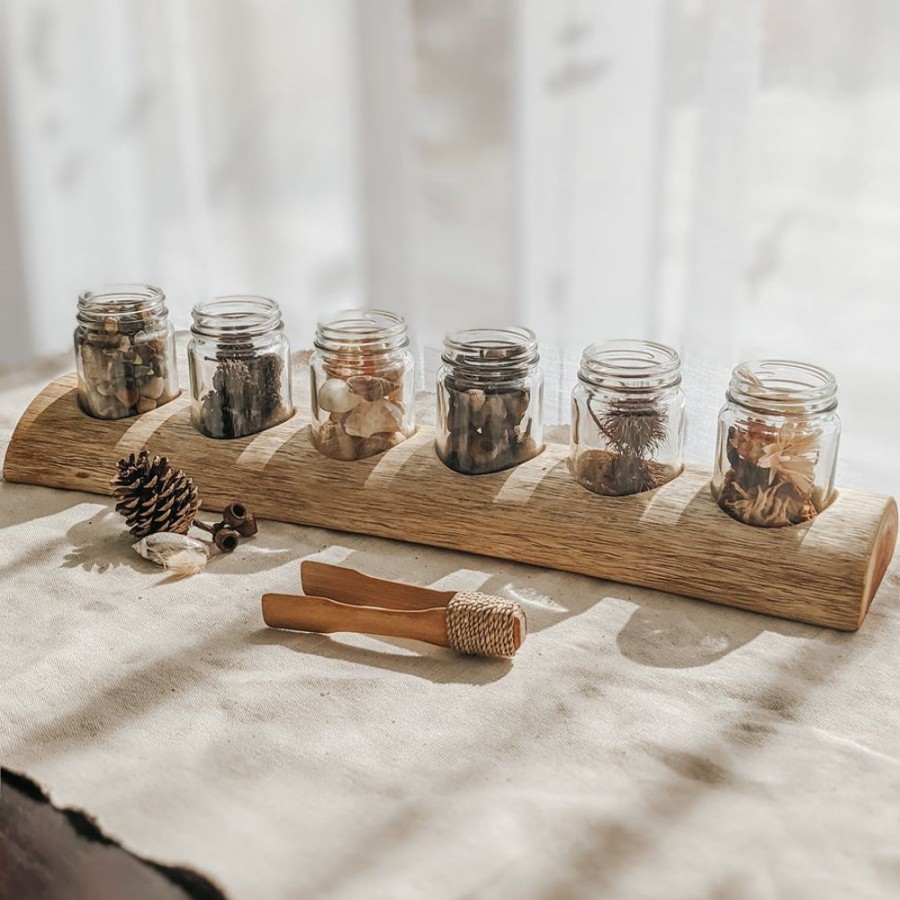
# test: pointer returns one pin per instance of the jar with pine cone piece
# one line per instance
(240, 367)
(124, 351)
(628, 418)
(778, 442)
(362, 384)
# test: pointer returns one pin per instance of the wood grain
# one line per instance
(325, 616)
(674, 539)
(349, 586)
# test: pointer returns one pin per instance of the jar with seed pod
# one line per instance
(240, 367)
(777, 443)
(628, 418)
(489, 400)
(362, 384)
(124, 351)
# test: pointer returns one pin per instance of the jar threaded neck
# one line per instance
(491, 353)
(122, 303)
(783, 387)
(631, 366)
(365, 331)
(236, 318)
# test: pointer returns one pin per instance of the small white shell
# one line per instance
(373, 418)
(153, 387)
(335, 396)
(180, 554)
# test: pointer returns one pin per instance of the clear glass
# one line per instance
(124, 351)
(489, 400)
(778, 443)
(628, 418)
(240, 366)
(362, 384)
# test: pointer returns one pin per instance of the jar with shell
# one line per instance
(778, 442)
(240, 366)
(628, 418)
(124, 351)
(489, 400)
(362, 384)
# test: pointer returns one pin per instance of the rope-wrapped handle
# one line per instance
(484, 625)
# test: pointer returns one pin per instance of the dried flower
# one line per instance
(750, 439)
(771, 482)
(180, 554)
(793, 455)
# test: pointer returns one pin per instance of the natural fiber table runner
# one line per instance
(639, 745)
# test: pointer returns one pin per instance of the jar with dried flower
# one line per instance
(362, 384)
(124, 351)
(777, 443)
(240, 367)
(628, 418)
(489, 400)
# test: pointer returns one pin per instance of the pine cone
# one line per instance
(234, 389)
(269, 375)
(153, 496)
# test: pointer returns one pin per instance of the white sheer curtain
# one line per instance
(208, 147)
(720, 174)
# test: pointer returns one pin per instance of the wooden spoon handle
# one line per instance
(354, 588)
(326, 616)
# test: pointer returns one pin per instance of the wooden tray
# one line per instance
(674, 539)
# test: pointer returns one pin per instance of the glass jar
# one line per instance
(124, 351)
(362, 384)
(777, 443)
(240, 366)
(489, 400)
(628, 418)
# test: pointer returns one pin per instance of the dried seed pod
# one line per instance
(226, 539)
(235, 514)
(248, 527)
(237, 517)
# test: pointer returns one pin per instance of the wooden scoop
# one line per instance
(339, 599)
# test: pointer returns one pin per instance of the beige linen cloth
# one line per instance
(640, 745)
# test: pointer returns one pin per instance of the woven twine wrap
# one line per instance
(482, 625)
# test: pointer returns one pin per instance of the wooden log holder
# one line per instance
(676, 539)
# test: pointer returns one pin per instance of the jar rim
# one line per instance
(491, 349)
(120, 301)
(630, 365)
(235, 317)
(371, 330)
(783, 387)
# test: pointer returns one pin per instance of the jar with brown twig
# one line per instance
(628, 418)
